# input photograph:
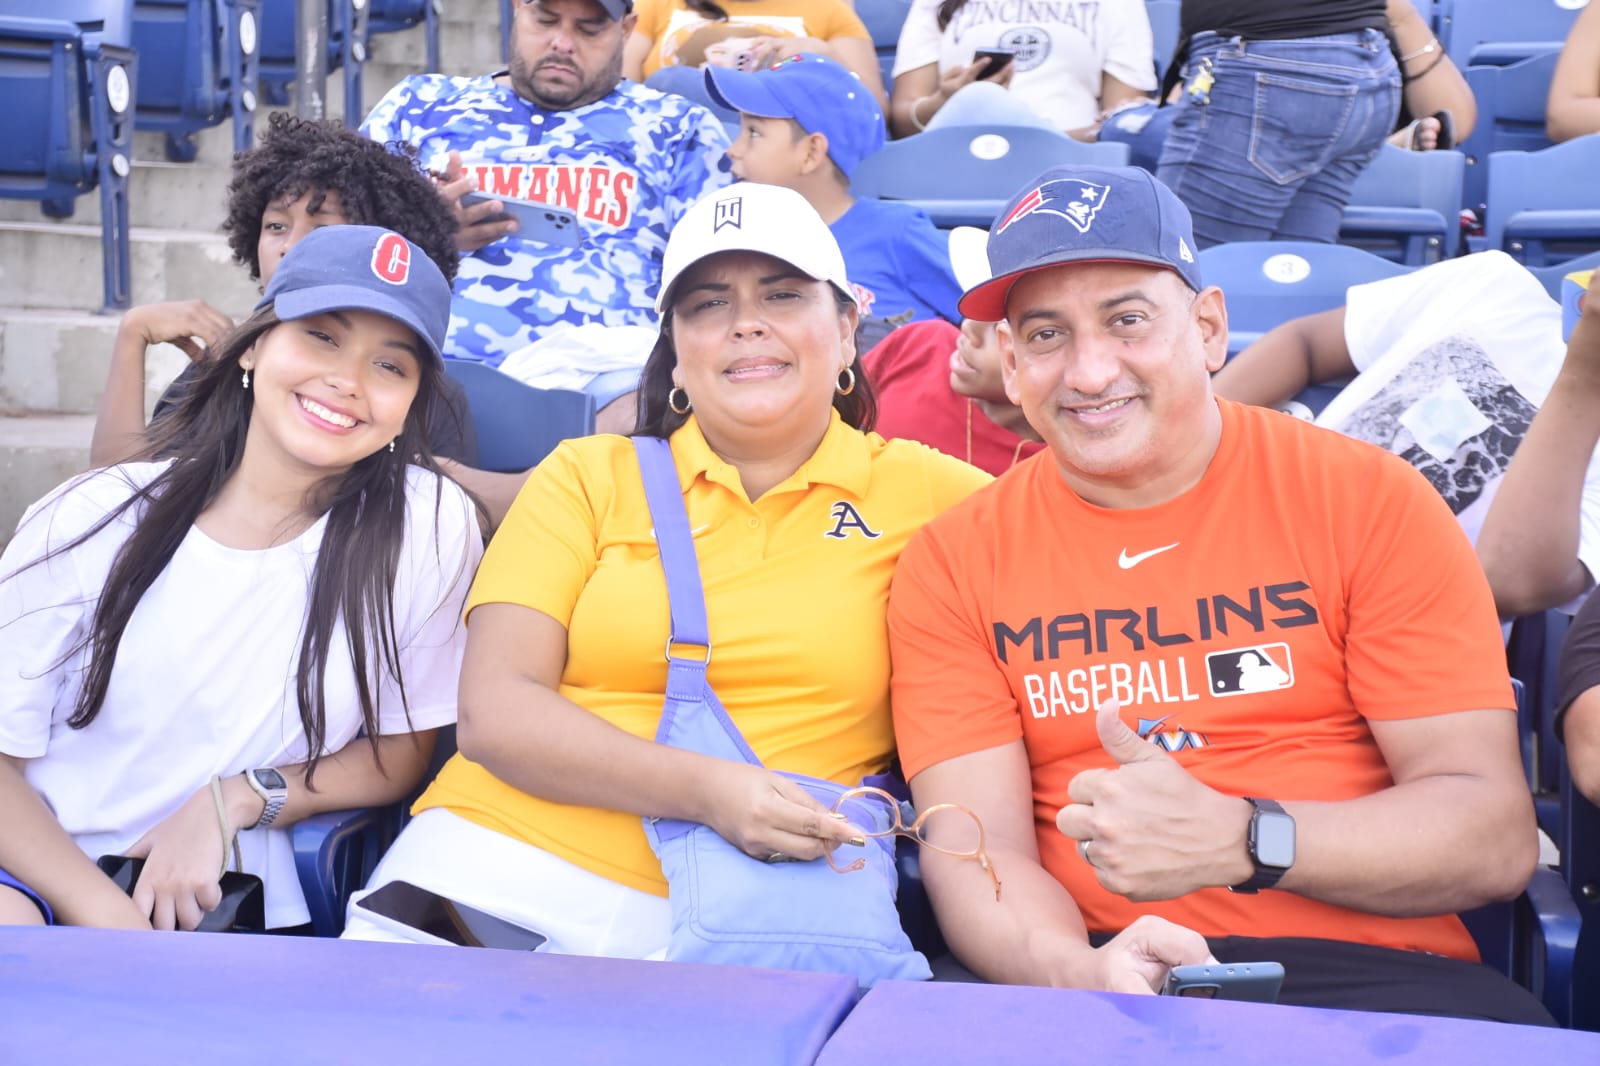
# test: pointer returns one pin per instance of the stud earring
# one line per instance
(245, 377)
(391, 447)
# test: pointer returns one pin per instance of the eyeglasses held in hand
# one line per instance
(948, 828)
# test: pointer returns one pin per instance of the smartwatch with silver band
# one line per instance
(273, 789)
(1271, 844)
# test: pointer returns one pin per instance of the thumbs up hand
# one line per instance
(1147, 826)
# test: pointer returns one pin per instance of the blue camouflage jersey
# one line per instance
(627, 165)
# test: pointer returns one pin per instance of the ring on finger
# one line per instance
(778, 856)
(1083, 852)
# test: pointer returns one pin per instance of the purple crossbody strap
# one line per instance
(689, 697)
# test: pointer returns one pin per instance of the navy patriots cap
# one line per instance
(1082, 214)
(362, 268)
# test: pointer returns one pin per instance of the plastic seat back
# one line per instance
(1267, 283)
(1511, 112)
(964, 175)
(519, 425)
(1404, 206)
(1542, 205)
(1495, 33)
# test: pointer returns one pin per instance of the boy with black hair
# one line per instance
(805, 123)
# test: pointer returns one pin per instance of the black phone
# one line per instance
(439, 916)
(997, 59)
(1247, 982)
(535, 222)
(242, 908)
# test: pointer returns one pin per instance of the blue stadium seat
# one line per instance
(67, 84)
(347, 50)
(197, 67)
(1494, 33)
(392, 16)
(334, 855)
(505, 29)
(883, 19)
(1511, 106)
(964, 175)
(1267, 283)
(518, 425)
(1405, 206)
(1579, 841)
(1551, 275)
(1542, 205)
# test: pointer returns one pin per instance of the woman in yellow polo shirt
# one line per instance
(798, 516)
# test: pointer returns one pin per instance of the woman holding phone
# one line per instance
(966, 64)
(192, 646)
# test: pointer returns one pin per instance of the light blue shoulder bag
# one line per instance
(726, 906)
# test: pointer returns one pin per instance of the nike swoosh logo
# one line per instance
(1128, 562)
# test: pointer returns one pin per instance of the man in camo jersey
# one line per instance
(560, 127)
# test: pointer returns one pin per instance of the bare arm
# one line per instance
(37, 851)
(515, 724)
(1034, 934)
(1453, 832)
(191, 325)
(1574, 105)
(1442, 87)
(634, 53)
(1532, 564)
(1301, 352)
(1581, 731)
(925, 90)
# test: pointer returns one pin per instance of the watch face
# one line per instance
(270, 780)
(1274, 839)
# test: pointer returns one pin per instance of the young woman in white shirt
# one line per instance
(191, 648)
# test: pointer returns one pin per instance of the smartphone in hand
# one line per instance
(997, 59)
(1248, 982)
(535, 222)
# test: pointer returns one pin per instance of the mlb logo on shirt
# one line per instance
(1241, 671)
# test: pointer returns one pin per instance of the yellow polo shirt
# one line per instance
(796, 585)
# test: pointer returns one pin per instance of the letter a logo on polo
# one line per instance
(391, 259)
(729, 213)
(845, 518)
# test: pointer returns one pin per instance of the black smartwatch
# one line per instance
(1271, 845)
(273, 789)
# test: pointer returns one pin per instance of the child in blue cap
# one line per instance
(806, 123)
(186, 641)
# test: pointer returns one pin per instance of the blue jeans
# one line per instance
(1288, 125)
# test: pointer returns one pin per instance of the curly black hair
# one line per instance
(378, 185)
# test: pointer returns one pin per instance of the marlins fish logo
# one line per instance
(1076, 201)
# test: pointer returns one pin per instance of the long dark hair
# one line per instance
(709, 8)
(658, 419)
(947, 11)
(353, 580)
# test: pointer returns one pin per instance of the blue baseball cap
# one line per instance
(1082, 214)
(820, 94)
(362, 268)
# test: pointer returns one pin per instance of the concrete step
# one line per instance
(56, 362)
(56, 266)
(37, 453)
(160, 194)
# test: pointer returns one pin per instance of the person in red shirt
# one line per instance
(942, 386)
(1218, 683)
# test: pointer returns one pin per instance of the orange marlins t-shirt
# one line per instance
(1250, 627)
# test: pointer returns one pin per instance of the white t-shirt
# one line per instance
(1062, 48)
(1455, 360)
(204, 681)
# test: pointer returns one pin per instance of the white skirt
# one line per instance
(580, 912)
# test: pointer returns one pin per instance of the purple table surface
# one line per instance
(932, 1024)
(127, 998)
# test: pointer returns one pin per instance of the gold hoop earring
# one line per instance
(847, 381)
(245, 377)
(672, 400)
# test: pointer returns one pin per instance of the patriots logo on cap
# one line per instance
(1076, 201)
(729, 213)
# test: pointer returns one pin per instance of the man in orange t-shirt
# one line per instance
(1219, 684)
